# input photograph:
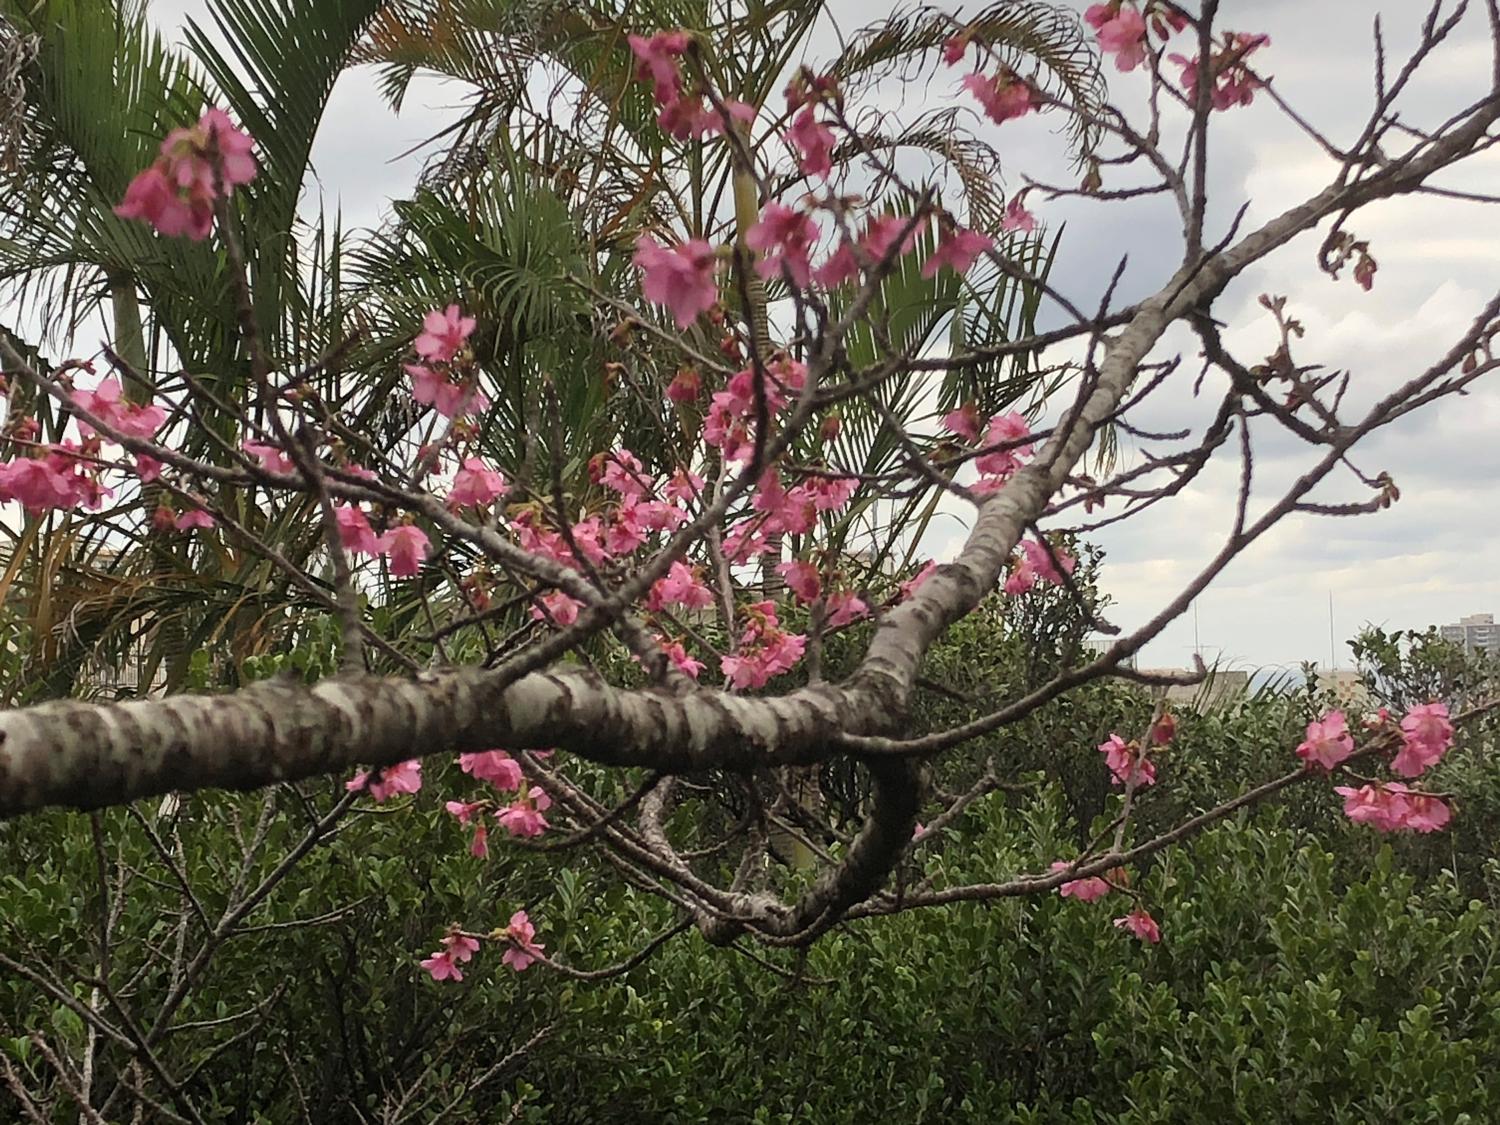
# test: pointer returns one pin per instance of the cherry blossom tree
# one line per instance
(676, 616)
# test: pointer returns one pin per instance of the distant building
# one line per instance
(1344, 685)
(1476, 633)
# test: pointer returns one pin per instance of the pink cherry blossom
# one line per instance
(681, 278)
(1127, 763)
(964, 422)
(148, 468)
(1392, 806)
(523, 816)
(403, 777)
(1008, 432)
(657, 62)
(784, 236)
(355, 532)
(152, 198)
(1328, 741)
(684, 487)
(1036, 565)
(476, 485)
(272, 459)
(813, 142)
(681, 585)
(557, 607)
(1090, 889)
(441, 966)
(1426, 813)
(494, 766)
(479, 846)
(1141, 924)
(884, 236)
(954, 48)
(38, 484)
(233, 145)
(1017, 218)
(1163, 730)
(211, 157)
(888, 235)
(1004, 97)
(443, 334)
(1233, 84)
(1121, 31)
(957, 250)
(838, 267)
(460, 947)
(765, 651)
(176, 194)
(688, 118)
(407, 545)
(107, 403)
(827, 493)
(842, 608)
(786, 511)
(524, 948)
(195, 517)
(620, 471)
(463, 811)
(679, 657)
(436, 389)
(802, 579)
(1426, 735)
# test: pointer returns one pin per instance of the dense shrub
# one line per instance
(1310, 970)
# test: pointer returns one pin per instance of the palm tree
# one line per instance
(98, 88)
(555, 123)
(525, 214)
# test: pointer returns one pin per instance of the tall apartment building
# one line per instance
(1477, 632)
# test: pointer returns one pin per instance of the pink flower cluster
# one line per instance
(457, 949)
(683, 113)
(1392, 807)
(1005, 443)
(107, 403)
(63, 476)
(405, 545)
(522, 949)
(1232, 82)
(521, 816)
(638, 507)
(957, 249)
(1094, 887)
(1328, 741)
(882, 238)
(1039, 562)
(1121, 30)
(403, 777)
(1004, 96)
(765, 650)
(437, 378)
(1128, 762)
(1426, 735)
(784, 237)
(197, 166)
(680, 277)
(729, 422)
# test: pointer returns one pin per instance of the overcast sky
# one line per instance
(1427, 560)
